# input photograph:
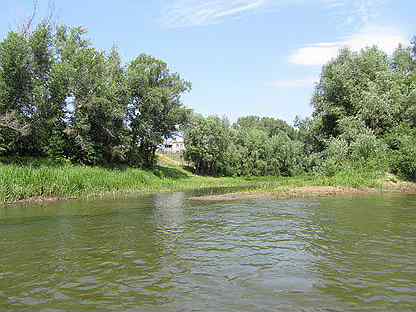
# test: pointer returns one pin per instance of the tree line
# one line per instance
(62, 98)
(253, 146)
(364, 115)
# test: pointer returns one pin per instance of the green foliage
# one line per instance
(16, 103)
(62, 98)
(206, 143)
(285, 155)
(271, 126)
(155, 110)
(402, 143)
(355, 146)
(247, 148)
(359, 103)
(26, 178)
(357, 85)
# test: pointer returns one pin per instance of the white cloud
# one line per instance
(294, 83)
(187, 13)
(354, 12)
(320, 53)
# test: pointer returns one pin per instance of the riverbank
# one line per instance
(352, 183)
(37, 183)
(307, 192)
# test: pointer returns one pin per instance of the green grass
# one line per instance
(34, 180)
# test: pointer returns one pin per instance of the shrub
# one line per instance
(402, 142)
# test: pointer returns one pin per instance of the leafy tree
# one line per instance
(206, 144)
(404, 69)
(50, 90)
(16, 102)
(96, 100)
(357, 145)
(285, 156)
(360, 85)
(61, 97)
(247, 150)
(155, 109)
(402, 144)
(253, 152)
(271, 126)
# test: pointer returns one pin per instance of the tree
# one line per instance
(50, 90)
(155, 109)
(285, 156)
(357, 84)
(272, 126)
(404, 69)
(96, 100)
(252, 144)
(244, 149)
(86, 71)
(402, 143)
(206, 141)
(61, 97)
(16, 102)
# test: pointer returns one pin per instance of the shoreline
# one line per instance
(311, 192)
(294, 192)
(49, 184)
(291, 193)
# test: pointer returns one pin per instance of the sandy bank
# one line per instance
(308, 191)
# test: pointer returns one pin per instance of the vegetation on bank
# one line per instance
(63, 99)
(44, 180)
(99, 123)
(364, 115)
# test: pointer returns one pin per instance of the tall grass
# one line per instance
(18, 182)
(24, 181)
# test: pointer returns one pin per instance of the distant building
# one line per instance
(174, 145)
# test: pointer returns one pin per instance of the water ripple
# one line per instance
(161, 253)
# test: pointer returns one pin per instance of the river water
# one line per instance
(167, 253)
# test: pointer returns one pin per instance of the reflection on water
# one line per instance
(162, 253)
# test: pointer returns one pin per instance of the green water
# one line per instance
(165, 253)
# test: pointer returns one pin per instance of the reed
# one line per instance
(25, 181)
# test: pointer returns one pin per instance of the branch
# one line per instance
(27, 26)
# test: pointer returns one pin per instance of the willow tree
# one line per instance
(155, 109)
(16, 101)
(357, 84)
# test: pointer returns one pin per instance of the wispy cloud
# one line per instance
(188, 13)
(320, 53)
(354, 12)
(185, 13)
(294, 83)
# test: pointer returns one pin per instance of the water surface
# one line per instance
(165, 253)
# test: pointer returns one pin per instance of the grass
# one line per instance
(43, 180)
(22, 182)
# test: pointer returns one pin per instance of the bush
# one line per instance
(362, 151)
(402, 142)
(286, 155)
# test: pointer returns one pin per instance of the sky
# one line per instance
(243, 57)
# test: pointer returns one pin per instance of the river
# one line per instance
(167, 253)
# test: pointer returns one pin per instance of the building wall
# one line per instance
(173, 147)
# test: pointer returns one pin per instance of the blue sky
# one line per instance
(242, 56)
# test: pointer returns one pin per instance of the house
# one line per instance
(174, 145)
